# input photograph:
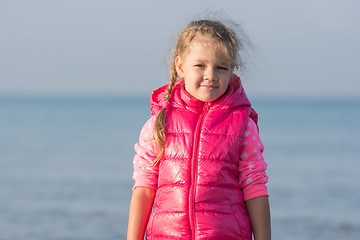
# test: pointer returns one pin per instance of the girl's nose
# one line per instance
(210, 75)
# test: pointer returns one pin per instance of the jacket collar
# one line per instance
(234, 96)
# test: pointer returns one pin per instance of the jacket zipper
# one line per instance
(193, 176)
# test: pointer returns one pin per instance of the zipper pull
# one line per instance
(207, 105)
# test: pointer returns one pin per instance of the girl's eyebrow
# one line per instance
(204, 60)
(225, 63)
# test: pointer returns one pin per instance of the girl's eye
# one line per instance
(199, 65)
(223, 68)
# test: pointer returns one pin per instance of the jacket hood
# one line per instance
(234, 96)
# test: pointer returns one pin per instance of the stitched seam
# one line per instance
(178, 132)
(220, 186)
(214, 211)
(222, 135)
(169, 158)
(172, 212)
(209, 159)
(172, 185)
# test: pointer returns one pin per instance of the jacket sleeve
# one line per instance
(144, 174)
(252, 166)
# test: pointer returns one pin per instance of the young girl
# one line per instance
(199, 171)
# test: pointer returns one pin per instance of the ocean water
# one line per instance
(66, 165)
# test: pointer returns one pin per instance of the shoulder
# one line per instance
(147, 130)
(252, 127)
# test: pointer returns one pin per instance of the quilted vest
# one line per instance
(199, 195)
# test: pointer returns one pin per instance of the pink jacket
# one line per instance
(206, 174)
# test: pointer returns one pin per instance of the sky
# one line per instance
(307, 48)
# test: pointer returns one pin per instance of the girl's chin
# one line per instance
(209, 98)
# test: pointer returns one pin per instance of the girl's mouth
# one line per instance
(208, 86)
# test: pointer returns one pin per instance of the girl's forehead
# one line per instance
(211, 43)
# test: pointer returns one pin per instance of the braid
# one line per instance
(159, 128)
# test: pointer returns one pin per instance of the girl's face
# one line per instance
(205, 70)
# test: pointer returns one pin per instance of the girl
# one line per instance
(199, 171)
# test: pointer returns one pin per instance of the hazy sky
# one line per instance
(114, 47)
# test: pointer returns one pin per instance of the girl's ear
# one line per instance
(179, 66)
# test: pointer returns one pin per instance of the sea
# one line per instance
(66, 166)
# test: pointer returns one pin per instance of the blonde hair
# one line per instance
(230, 46)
